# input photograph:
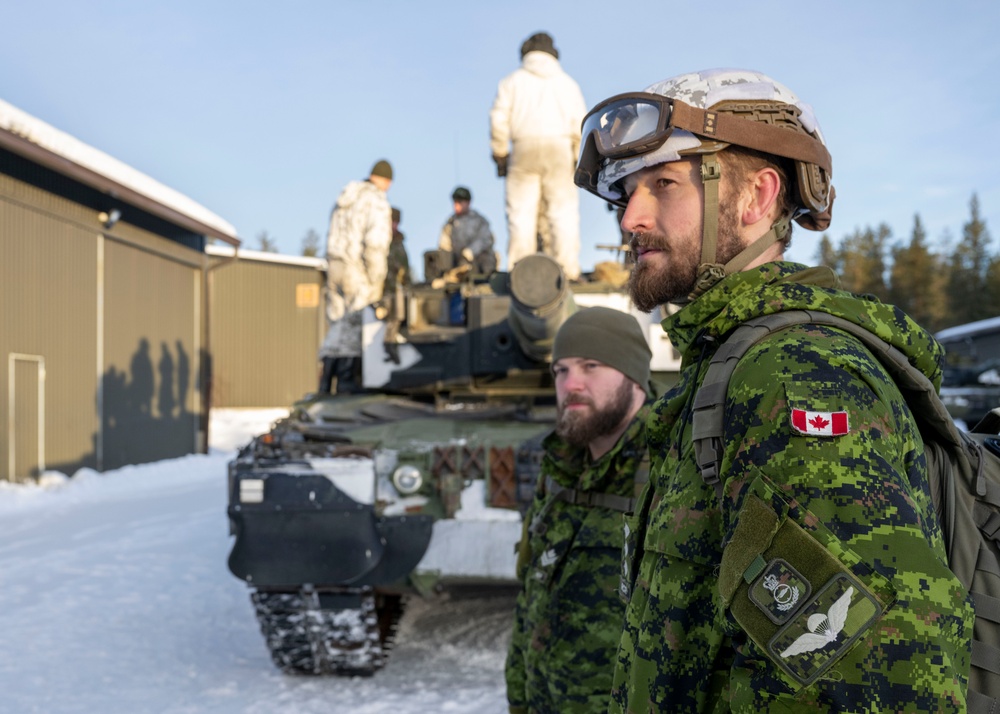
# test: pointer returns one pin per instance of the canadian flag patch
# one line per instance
(819, 423)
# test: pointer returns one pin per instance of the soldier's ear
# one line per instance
(763, 187)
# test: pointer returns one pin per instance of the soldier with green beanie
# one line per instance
(357, 248)
(807, 573)
(568, 616)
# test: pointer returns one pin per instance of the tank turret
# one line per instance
(487, 337)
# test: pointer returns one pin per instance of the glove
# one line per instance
(467, 255)
(501, 162)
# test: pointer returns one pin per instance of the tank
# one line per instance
(356, 502)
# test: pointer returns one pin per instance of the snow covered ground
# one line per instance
(115, 597)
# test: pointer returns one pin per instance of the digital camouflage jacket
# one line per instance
(568, 617)
(822, 466)
(469, 230)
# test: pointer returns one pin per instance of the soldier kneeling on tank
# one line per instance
(568, 616)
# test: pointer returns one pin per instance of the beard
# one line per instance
(580, 427)
(651, 285)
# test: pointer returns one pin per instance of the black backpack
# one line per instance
(963, 469)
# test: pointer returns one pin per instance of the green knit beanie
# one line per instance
(609, 336)
(382, 168)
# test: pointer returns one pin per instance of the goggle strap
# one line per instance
(771, 139)
(753, 251)
(711, 173)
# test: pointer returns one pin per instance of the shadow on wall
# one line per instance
(147, 410)
(147, 414)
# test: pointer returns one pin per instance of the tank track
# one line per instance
(313, 632)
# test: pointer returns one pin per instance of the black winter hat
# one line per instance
(539, 42)
(609, 336)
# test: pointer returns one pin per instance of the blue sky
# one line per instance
(262, 111)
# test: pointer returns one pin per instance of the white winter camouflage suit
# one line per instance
(538, 110)
(357, 248)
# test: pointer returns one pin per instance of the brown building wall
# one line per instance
(76, 304)
(152, 356)
(266, 328)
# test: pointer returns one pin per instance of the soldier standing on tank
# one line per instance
(568, 615)
(357, 248)
(534, 137)
(821, 461)
(467, 235)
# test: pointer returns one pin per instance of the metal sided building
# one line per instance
(267, 323)
(103, 308)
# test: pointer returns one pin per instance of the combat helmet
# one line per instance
(699, 114)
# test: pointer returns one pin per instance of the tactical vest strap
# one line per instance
(622, 504)
(986, 607)
(985, 656)
(980, 703)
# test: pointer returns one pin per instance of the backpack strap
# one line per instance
(708, 420)
(579, 497)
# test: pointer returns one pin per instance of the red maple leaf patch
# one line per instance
(818, 422)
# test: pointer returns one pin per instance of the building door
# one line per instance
(25, 416)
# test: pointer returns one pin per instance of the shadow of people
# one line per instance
(183, 377)
(166, 399)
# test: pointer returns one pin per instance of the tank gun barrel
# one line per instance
(540, 301)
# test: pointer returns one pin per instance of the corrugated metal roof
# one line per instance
(222, 252)
(32, 138)
(990, 324)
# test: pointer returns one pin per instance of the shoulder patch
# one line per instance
(820, 423)
(824, 629)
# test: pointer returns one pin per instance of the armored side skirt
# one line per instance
(295, 528)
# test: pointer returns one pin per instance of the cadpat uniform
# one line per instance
(818, 438)
(568, 616)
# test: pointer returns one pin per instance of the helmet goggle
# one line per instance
(638, 123)
(629, 124)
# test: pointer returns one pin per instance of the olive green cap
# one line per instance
(461, 193)
(608, 336)
(382, 168)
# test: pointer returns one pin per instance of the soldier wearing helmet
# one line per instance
(813, 576)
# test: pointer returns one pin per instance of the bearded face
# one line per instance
(671, 275)
(580, 426)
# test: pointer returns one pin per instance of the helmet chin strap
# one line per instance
(710, 271)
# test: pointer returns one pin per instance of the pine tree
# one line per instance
(827, 254)
(970, 263)
(862, 261)
(917, 280)
(266, 243)
(993, 286)
(310, 244)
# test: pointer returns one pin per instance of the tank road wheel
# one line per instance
(311, 632)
